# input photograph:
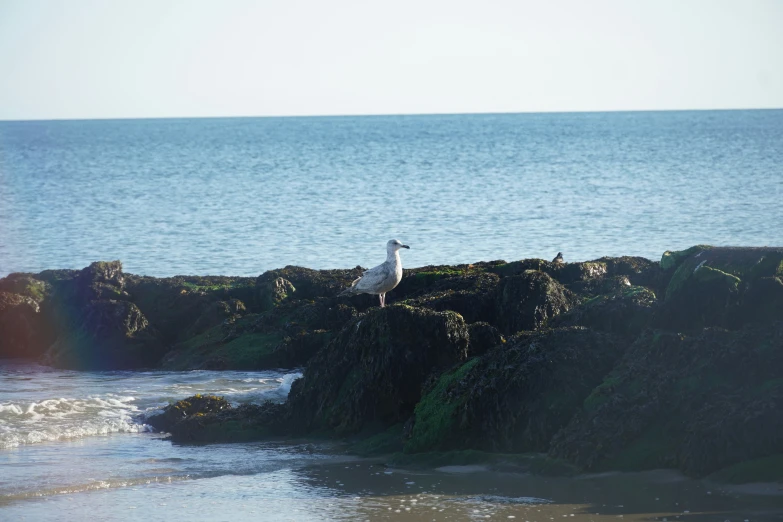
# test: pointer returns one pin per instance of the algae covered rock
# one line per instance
(208, 418)
(22, 329)
(27, 285)
(371, 374)
(470, 295)
(286, 336)
(696, 402)
(717, 286)
(101, 280)
(195, 405)
(216, 313)
(483, 337)
(238, 345)
(272, 292)
(626, 311)
(307, 282)
(106, 334)
(528, 300)
(182, 306)
(639, 271)
(516, 396)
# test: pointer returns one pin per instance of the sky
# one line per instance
(80, 59)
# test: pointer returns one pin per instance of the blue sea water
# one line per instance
(238, 196)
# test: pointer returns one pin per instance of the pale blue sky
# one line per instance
(117, 59)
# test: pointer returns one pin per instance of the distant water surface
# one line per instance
(238, 196)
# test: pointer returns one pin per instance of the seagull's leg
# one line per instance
(380, 297)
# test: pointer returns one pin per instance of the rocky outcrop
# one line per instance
(208, 418)
(528, 300)
(96, 326)
(695, 402)
(617, 363)
(515, 397)
(308, 283)
(23, 332)
(726, 287)
(627, 311)
(371, 374)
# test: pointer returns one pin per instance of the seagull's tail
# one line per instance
(351, 290)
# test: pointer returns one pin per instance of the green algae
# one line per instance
(246, 351)
(383, 443)
(601, 393)
(706, 274)
(435, 414)
(671, 259)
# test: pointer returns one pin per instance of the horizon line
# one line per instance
(376, 115)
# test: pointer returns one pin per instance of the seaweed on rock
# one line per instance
(516, 396)
(370, 375)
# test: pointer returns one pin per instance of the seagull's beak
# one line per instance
(406, 246)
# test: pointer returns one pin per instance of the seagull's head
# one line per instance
(394, 245)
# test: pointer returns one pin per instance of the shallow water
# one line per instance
(74, 446)
(238, 196)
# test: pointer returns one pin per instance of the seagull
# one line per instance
(558, 258)
(383, 277)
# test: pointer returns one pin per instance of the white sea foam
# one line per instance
(66, 418)
(70, 405)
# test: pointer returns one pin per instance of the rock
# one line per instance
(240, 345)
(639, 271)
(284, 337)
(570, 273)
(472, 296)
(516, 396)
(216, 313)
(101, 280)
(196, 405)
(295, 351)
(715, 286)
(428, 279)
(696, 402)
(244, 423)
(174, 305)
(208, 419)
(483, 337)
(520, 267)
(316, 314)
(370, 375)
(528, 300)
(763, 301)
(26, 285)
(308, 283)
(626, 311)
(271, 293)
(22, 330)
(105, 334)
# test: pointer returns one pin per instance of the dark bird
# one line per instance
(558, 258)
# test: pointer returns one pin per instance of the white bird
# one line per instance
(383, 277)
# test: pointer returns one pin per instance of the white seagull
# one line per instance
(383, 277)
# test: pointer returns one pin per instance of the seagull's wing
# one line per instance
(373, 278)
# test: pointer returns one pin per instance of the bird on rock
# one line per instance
(383, 278)
(558, 258)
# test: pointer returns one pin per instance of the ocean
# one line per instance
(239, 196)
